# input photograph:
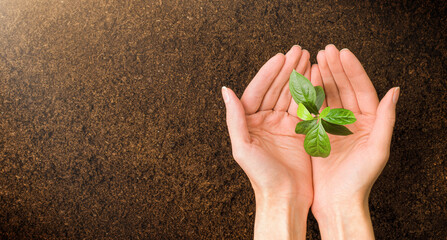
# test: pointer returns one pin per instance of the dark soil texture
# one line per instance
(112, 124)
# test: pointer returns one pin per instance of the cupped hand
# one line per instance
(261, 127)
(355, 162)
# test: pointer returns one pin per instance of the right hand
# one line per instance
(345, 178)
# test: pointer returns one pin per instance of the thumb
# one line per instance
(385, 118)
(237, 124)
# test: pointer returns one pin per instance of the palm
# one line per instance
(345, 146)
(276, 144)
(273, 131)
(338, 174)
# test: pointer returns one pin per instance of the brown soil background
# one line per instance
(112, 124)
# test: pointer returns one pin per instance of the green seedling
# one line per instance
(315, 124)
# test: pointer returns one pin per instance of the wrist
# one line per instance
(279, 217)
(295, 204)
(286, 194)
(345, 220)
(326, 203)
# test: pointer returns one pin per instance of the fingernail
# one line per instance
(344, 49)
(396, 94)
(225, 94)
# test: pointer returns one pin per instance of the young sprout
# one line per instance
(309, 100)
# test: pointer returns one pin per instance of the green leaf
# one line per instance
(325, 112)
(311, 107)
(335, 129)
(301, 89)
(320, 96)
(303, 113)
(304, 127)
(340, 116)
(317, 142)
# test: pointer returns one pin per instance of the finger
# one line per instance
(304, 62)
(293, 106)
(236, 122)
(317, 81)
(382, 131)
(330, 87)
(285, 97)
(272, 95)
(255, 91)
(363, 88)
(347, 95)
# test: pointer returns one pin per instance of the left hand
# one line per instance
(264, 143)
(261, 127)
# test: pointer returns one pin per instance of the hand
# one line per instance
(261, 127)
(343, 180)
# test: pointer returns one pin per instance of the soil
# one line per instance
(112, 124)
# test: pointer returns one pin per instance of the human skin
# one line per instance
(342, 182)
(285, 179)
(265, 145)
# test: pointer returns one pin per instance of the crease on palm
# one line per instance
(273, 131)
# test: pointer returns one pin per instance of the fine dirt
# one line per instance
(112, 124)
